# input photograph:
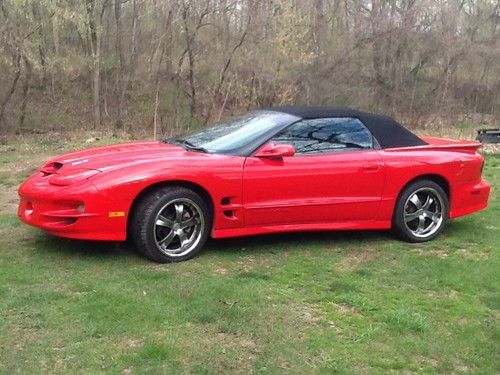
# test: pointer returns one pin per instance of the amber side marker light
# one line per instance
(116, 214)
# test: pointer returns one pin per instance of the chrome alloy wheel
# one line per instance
(423, 212)
(178, 227)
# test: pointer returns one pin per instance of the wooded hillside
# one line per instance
(128, 65)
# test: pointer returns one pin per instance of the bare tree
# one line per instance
(190, 38)
(16, 62)
(94, 20)
(175, 62)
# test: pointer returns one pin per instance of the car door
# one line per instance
(336, 175)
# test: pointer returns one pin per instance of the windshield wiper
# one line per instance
(189, 146)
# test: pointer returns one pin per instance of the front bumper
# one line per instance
(77, 211)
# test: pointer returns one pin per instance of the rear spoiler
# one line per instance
(443, 144)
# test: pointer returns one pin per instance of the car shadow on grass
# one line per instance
(341, 239)
(283, 241)
(70, 248)
(267, 243)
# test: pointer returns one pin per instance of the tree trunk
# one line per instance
(26, 87)
(95, 50)
(96, 99)
(121, 57)
(35, 8)
(167, 46)
(55, 35)
(378, 50)
(189, 50)
(319, 25)
(190, 55)
(3, 106)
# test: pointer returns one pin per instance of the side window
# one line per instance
(326, 135)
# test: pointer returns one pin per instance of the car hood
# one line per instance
(112, 157)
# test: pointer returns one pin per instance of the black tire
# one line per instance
(163, 206)
(408, 217)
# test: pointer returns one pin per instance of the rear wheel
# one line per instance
(421, 211)
(171, 224)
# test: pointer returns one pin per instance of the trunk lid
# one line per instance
(444, 144)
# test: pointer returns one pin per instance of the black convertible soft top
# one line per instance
(388, 132)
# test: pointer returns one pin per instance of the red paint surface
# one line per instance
(350, 190)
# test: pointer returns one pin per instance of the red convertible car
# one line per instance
(273, 170)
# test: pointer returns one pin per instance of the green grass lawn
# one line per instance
(343, 302)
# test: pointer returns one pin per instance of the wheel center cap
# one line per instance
(176, 227)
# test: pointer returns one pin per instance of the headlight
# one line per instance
(73, 177)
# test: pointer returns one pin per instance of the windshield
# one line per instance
(236, 133)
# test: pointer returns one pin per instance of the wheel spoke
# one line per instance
(427, 203)
(433, 216)
(431, 226)
(421, 224)
(179, 212)
(416, 201)
(189, 222)
(183, 239)
(412, 216)
(167, 239)
(164, 222)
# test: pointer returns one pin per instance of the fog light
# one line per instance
(80, 207)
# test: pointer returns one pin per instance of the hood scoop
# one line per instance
(51, 168)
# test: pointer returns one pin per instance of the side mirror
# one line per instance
(275, 151)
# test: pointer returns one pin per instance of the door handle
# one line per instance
(370, 167)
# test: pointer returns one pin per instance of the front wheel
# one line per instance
(171, 224)
(421, 212)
